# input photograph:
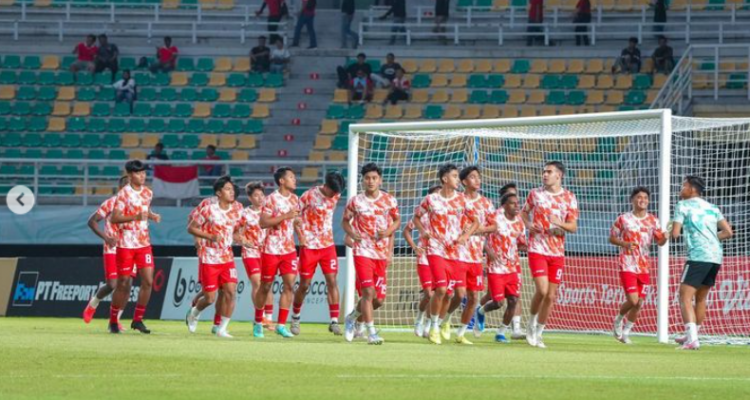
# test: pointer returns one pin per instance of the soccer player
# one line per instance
(472, 254)
(131, 213)
(109, 236)
(217, 226)
(254, 237)
(549, 214)
(448, 212)
(278, 255)
(504, 262)
(633, 232)
(315, 233)
(705, 228)
(370, 219)
(423, 270)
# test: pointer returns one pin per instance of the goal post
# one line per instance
(607, 155)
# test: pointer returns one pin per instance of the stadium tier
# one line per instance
(165, 4)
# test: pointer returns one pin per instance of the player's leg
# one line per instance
(144, 261)
(516, 321)
(378, 300)
(269, 268)
(332, 286)
(440, 284)
(629, 283)
(217, 310)
(110, 279)
(366, 307)
(540, 273)
(308, 262)
(695, 276)
(701, 296)
(228, 300)
(268, 317)
(461, 293)
(425, 280)
(512, 303)
(687, 293)
(285, 301)
(474, 288)
(125, 265)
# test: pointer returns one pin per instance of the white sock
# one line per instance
(480, 311)
(296, 316)
(618, 319)
(627, 328)
(435, 320)
(119, 315)
(449, 315)
(427, 325)
(355, 314)
(697, 329)
(539, 330)
(462, 330)
(371, 328)
(501, 330)
(269, 317)
(516, 321)
(94, 302)
(439, 322)
(691, 330)
(420, 317)
(534, 321)
(335, 320)
(224, 324)
(195, 313)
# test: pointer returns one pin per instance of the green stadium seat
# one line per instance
(254, 126)
(479, 97)
(4, 108)
(521, 67)
(736, 81)
(147, 94)
(26, 93)
(52, 140)
(90, 141)
(208, 95)
(21, 109)
(550, 82)
(46, 78)
(642, 82)
(176, 125)
(111, 141)
(335, 111)
(97, 154)
(106, 93)
(635, 98)
(576, 98)
(111, 171)
(31, 62)
(31, 140)
(118, 155)
(162, 110)
(222, 111)
(168, 94)
(54, 154)
(8, 77)
(94, 171)
(156, 126)
(65, 78)
(86, 94)
(205, 64)
(47, 93)
(12, 61)
(127, 63)
(100, 110)
(433, 112)
(340, 143)
(12, 140)
(27, 78)
(356, 112)
(199, 79)
(215, 126)
(143, 79)
(499, 97)
(196, 126)
(6, 170)
(477, 81)
(191, 141)
(69, 170)
(421, 81)
(75, 154)
(715, 5)
(84, 79)
(254, 80)
(41, 109)
(275, 80)
(569, 82)
(495, 81)
(235, 126)
(142, 110)
(183, 110)
(236, 80)
(247, 96)
(185, 64)
(179, 155)
(33, 153)
(66, 62)
(160, 79)
(16, 124)
(117, 125)
(37, 124)
(48, 170)
(171, 141)
(136, 125)
(121, 110)
(70, 140)
(16, 153)
(103, 79)
(241, 111)
(97, 125)
(188, 94)
(556, 98)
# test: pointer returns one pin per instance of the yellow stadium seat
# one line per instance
(465, 66)
(604, 82)
(568, 110)
(624, 82)
(413, 112)
(536, 97)
(556, 67)
(678, 5)
(380, 95)
(409, 66)
(510, 112)
(80, 191)
(227, 141)
(439, 80)
(585, 176)
(545, 111)
(66, 93)
(528, 111)
(595, 66)
(329, 127)
(56, 125)
(137, 155)
(614, 98)
(149, 140)
(105, 190)
(500, 5)
(606, 108)
(316, 156)
(594, 97)
(201, 110)
(209, 140)
(261, 111)
(42, 3)
(374, 111)
(428, 66)
(61, 109)
(531, 81)
(538, 66)
(337, 156)
(179, 79)
(490, 111)
(586, 82)
(648, 65)
(240, 155)
(130, 140)
(452, 112)
(651, 96)
(225, 4)
(483, 67)
(241, 64)
(517, 97)
(267, 95)
(170, 4)
(341, 96)
(310, 174)
(439, 97)
(472, 111)
(217, 79)
(576, 66)
(394, 111)
(227, 95)
(446, 66)
(502, 66)
(460, 96)
(51, 62)
(223, 64)
(7, 92)
(207, 4)
(246, 142)
(420, 96)
(323, 143)
(512, 81)
(458, 81)
(81, 109)
(607, 5)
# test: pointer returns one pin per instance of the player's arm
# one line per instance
(407, 236)
(526, 218)
(676, 230)
(391, 247)
(347, 226)
(154, 216)
(570, 226)
(469, 230)
(300, 233)
(725, 230)
(392, 228)
(621, 243)
(483, 230)
(267, 221)
(195, 230)
(491, 256)
(93, 223)
(119, 218)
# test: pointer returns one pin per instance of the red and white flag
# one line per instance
(176, 182)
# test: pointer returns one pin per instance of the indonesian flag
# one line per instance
(176, 182)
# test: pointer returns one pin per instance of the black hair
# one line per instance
(168, 38)
(280, 173)
(361, 55)
(507, 187)
(91, 37)
(262, 37)
(160, 144)
(466, 171)
(390, 55)
(280, 40)
(660, 37)
(445, 170)
(633, 40)
(370, 167)
(335, 181)
(697, 183)
(639, 189)
(122, 180)
(212, 147)
(506, 197)
(220, 182)
(557, 164)
(434, 189)
(252, 187)
(134, 166)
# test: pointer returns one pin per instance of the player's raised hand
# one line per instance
(292, 214)
(111, 241)
(535, 228)
(154, 217)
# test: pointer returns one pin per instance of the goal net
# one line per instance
(606, 156)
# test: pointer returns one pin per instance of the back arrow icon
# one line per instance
(19, 200)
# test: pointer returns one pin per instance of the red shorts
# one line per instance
(371, 272)
(310, 258)
(252, 266)
(635, 283)
(272, 264)
(200, 270)
(129, 259)
(551, 267)
(425, 277)
(217, 275)
(503, 285)
(110, 266)
(474, 277)
(447, 273)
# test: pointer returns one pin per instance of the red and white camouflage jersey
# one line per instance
(367, 217)
(541, 205)
(110, 229)
(423, 242)
(210, 201)
(504, 243)
(483, 210)
(280, 238)
(215, 221)
(642, 231)
(317, 218)
(447, 221)
(134, 234)
(252, 232)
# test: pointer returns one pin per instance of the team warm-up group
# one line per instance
(462, 242)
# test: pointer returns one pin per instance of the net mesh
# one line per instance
(605, 160)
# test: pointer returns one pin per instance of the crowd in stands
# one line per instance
(359, 79)
(629, 61)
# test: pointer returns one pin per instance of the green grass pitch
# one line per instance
(45, 358)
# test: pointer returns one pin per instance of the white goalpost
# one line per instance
(606, 155)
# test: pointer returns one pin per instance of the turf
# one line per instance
(63, 358)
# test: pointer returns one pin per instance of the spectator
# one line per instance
(260, 56)
(398, 9)
(106, 57)
(629, 61)
(166, 57)
(276, 9)
(663, 57)
(442, 11)
(361, 88)
(660, 15)
(400, 87)
(387, 71)
(280, 57)
(347, 16)
(345, 75)
(582, 18)
(536, 16)
(307, 19)
(86, 51)
(125, 89)
(213, 169)
(158, 153)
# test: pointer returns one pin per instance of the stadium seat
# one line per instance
(41, 109)
(247, 96)
(246, 142)
(227, 95)
(479, 97)
(538, 66)
(459, 96)
(556, 67)
(81, 109)
(421, 81)
(604, 82)
(428, 66)
(446, 66)
(217, 79)
(394, 111)
(26, 93)
(181, 110)
(614, 98)
(452, 112)
(623, 82)
(99, 110)
(465, 66)
(420, 96)
(535, 97)
(531, 81)
(587, 82)
(373, 111)
(595, 66)
(223, 64)
(255, 80)
(517, 97)
(412, 112)
(490, 112)
(458, 81)
(201, 110)
(241, 111)
(179, 79)
(262, 111)
(439, 81)
(241, 65)
(520, 67)
(266, 95)
(7, 92)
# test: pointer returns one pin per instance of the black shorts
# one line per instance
(698, 274)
